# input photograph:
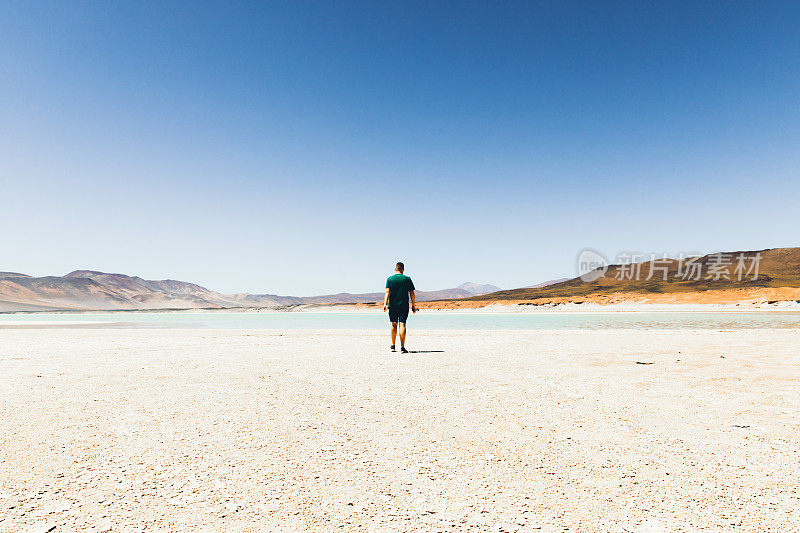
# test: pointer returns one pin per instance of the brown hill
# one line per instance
(93, 290)
(97, 290)
(777, 268)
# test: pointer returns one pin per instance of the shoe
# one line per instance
(392, 348)
(403, 350)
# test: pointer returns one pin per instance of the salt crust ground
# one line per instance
(190, 430)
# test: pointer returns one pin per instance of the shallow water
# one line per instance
(427, 320)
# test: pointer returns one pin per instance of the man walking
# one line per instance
(398, 288)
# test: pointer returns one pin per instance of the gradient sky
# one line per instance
(303, 148)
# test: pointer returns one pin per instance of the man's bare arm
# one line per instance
(386, 300)
(413, 302)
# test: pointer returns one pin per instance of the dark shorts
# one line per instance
(398, 314)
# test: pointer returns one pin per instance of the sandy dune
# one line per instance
(184, 430)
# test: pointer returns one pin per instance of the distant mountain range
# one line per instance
(777, 279)
(477, 288)
(546, 283)
(89, 290)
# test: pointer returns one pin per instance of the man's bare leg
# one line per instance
(402, 335)
(394, 333)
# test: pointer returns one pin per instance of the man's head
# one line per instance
(399, 267)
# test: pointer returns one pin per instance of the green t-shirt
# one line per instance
(399, 286)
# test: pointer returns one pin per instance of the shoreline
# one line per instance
(753, 299)
(522, 308)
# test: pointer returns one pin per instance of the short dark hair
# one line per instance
(400, 266)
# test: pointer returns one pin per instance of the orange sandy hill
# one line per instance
(778, 279)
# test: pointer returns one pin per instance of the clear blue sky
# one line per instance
(303, 148)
